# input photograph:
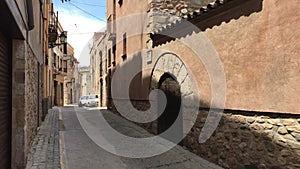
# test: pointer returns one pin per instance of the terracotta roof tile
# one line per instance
(179, 10)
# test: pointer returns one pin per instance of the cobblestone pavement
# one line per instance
(45, 153)
(80, 152)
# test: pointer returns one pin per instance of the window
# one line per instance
(120, 2)
(54, 60)
(109, 57)
(124, 43)
(65, 45)
(114, 52)
(124, 57)
(114, 12)
(101, 70)
(46, 60)
(65, 66)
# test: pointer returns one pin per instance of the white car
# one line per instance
(83, 101)
(92, 100)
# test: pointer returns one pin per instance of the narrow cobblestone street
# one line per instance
(78, 151)
(45, 152)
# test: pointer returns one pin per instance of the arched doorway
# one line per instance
(171, 88)
(171, 75)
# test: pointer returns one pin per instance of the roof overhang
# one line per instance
(206, 17)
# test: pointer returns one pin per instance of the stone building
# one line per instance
(76, 83)
(85, 80)
(60, 53)
(257, 50)
(21, 55)
(59, 63)
(95, 63)
(69, 67)
(47, 91)
(121, 44)
(102, 46)
(98, 66)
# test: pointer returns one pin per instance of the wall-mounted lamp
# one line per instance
(63, 40)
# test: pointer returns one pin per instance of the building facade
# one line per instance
(47, 91)
(21, 55)
(95, 62)
(103, 55)
(77, 83)
(258, 48)
(69, 66)
(85, 80)
(62, 62)
(124, 42)
(98, 66)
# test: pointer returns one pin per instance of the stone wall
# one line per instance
(31, 99)
(18, 103)
(25, 102)
(244, 139)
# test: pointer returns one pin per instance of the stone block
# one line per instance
(282, 130)
(186, 87)
(296, 136)
(183, 73)
(19, 77)
(160, 19)
(294, 144)
(288, 122)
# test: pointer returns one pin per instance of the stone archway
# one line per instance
(171, 88)
(172, 77)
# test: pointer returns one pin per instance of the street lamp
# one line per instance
(63, 37)
(63, 40)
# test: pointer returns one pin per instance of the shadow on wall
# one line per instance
(242, 139)
(245, 139)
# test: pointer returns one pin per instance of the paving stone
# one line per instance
(46, 142)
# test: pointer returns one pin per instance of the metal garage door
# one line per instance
(5, 103)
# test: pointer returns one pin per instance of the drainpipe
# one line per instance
(30, 14)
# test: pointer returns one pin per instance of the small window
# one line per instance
(125, 43)
(124, 57)
(109, 57)
(120, 2)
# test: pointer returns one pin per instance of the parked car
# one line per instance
(92, 100)
(83, 101)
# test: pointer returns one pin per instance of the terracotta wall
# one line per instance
(259, 55)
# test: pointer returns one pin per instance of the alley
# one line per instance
(78, 151)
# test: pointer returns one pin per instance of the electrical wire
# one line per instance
(89, 4)
(86, 12)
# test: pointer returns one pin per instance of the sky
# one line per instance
(81, 18)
